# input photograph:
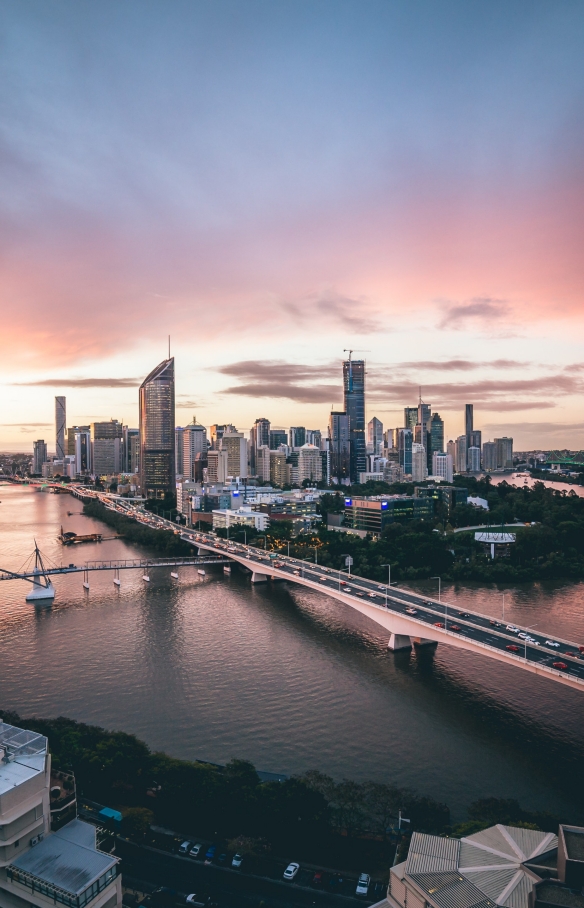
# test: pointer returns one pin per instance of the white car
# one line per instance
(291, 871)
(363, 884)
(512, 628)
(237, 860)
(195, 850)
(551, 643)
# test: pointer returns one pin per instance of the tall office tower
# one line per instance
(436, 432)
(473, 460)
(107, 447)
(475, 439)
(82, 450)
(504, 453)
(468, 422)
(259, 436)
(297, 436)
(451, 449)
(129, 434)
(442, 466)
(489, 456)
(156, 400)
(419, 465)
(423, 430)
(309, 464)
(354, 404)
(39, 456)
(314, 437)
(339, 446)
(325, 461)
(178, 450)
(60, 426)
(194, 439)
(461, 454)
(388, 439)
(216, 470)
(405, 440)
(410, 417)
(216, 434)
(278, 437)
(374, 436)
(279, 472)
(235, 444)
(262, 460)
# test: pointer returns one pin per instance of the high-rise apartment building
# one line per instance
(259, 436)
(442, 465)
(194, 441)
(489, 456)
(297, 436)
(60, 427)
(178, 450)
(436, 433)
(451, 449)
(339, 446)
(131, 439)
(504, 453)
(235, 444)
(309, 464)
(157, 451)
(82, 450)
(419, 463)
(374, 436)
(314, 437)
(279, 469)
(405, 440)
(71, 432)
(468, 422)
(40, 456)
(217, 468)
(263, 463)
(354, 405)
(473, 459)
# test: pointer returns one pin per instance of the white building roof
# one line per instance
(22, 755)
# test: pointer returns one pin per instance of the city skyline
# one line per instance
(288, 181)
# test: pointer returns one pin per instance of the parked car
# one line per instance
(363, 884)
(237, 860)
(317, 879)
(222, 858)
(185, 847)
(210, 854)
(195, 850)
(291, 871)
(196, 900)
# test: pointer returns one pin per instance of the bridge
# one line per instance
(412, 619)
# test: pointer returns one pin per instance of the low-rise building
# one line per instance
(225, 517)
(373, 514)
(40, 867)
(448, 495)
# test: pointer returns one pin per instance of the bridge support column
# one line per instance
(399, 641)
(258, 578)
(422, 641)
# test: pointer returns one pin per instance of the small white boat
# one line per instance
(174, 574)
(226, 569)
(117, 582)
(85, 585)
(146, 578)
(201, 572)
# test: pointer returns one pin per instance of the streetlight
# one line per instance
(349, 562)
(525, 641)
(288, 548)
(440, 599)
(315, 547)
(388, 566)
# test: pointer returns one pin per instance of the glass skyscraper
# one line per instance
(157, 452)
(354, 396)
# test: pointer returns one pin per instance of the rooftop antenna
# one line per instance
(169, 346)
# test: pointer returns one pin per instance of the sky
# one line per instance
(272, 183)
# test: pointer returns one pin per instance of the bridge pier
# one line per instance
(399, 641)
(422, 641)
(258, 578)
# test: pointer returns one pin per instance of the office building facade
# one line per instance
(194, 448)
(405, 440)
(473, 460)
(354, 405)
(39, 456)
(489, 456)
(460, 462)
(60, 427)
(235, 445)
(504, 453)
(278, 437)
(297, 436)
(410, 417)
(107, 447)
(157, 441)
(442, 465)
(259, 436)
(374, 436)
(419, 463)
(309, 464)
(339, 446)
(436, 435)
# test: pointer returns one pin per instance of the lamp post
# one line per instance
(348, 563)
(315, 547)
(440, 600)
(525, 641)
(388, 566)
(288, 548)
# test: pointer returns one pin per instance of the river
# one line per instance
(214, 668)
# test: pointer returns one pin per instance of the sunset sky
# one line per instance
(273, 182)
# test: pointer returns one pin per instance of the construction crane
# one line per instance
(350, 352)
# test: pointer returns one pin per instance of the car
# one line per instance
(359, 593)
(195, 850)
(373, 595)
(210, 854)
(343, 582)
(185, 847)
(297, 573)
(512, 628)
(560, 665)
(551, 643)
(348, 589)
(291, 871)
(463, 615)
(438, 624)
(581, 649)
(322, 579)
(196, 900)
(523, 636)
(454, 627)
(363, 884)
(572, 655)
(237, 860)
(382, 588)
(494, 623)
(512, 647)
(317, 879)
(412, 611)
(222, 858)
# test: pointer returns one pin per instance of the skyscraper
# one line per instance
(339, 446)
(489, 456)
(60, 427)
(468, 422)
(278, 437)
(423, 430)
(442, 465)
(354, 399)
(107, 447)
(39, 456)
(194, 439)
(235, 444)
(297, 436)
(460, 462)
(437, 434)
(157, 463)
(374, 436)
(410, 417)
(405, 440)
(419, 465)
(504, 453)
(259, 436)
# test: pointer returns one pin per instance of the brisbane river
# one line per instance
(214, 668)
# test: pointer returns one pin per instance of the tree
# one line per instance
(136, 822)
